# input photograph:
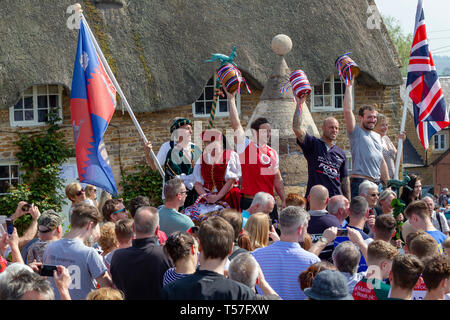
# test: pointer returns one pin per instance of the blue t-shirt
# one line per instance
(362, 263)
(245, 216)
(367, 152)
(326, 166)
(439, 237)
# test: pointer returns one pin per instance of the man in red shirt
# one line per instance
(259, 162)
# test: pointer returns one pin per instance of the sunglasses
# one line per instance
(374, 194)
(119, 211)
(80, 192)
(183, 192)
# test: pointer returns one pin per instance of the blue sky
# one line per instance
(437, 20)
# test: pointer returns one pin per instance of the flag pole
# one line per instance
(119, 90)
(400, 141)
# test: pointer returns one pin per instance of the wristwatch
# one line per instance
(323, 239)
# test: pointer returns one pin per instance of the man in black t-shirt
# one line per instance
(326, 161)
(216, 238)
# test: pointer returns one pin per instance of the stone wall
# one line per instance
(441, 174)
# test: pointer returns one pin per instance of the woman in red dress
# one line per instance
(218, 171)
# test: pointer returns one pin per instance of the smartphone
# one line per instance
(10, 225)
(342, 232)
(47, 270)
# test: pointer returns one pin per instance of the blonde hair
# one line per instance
(257, 227)
(105, 294)
(108, 240)
(72, 189)
(381, 118)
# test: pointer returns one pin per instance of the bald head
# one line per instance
(330, 129)
(318, 197)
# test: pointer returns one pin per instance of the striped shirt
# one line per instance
(281, 263)
(171, 275)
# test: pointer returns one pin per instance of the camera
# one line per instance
(47, 270)
(342, 232)
(26, 207)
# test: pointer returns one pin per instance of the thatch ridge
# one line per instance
(158, 48)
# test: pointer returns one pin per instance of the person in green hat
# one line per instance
(178, 156)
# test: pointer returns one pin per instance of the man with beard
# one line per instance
(367, 152)
(326, 161)
(259, 162)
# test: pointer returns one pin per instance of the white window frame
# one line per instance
(440, 137)
(35, 95)
(331, 80)
(10, 178)
(218, 114)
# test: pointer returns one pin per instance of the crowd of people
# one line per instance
(221, 235)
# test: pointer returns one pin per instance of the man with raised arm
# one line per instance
(367, 152)
(326, 161)
(259, 162)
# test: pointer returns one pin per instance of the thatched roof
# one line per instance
(157, 48)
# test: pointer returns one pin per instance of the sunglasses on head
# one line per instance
(118, 211)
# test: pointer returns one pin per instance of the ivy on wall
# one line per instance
(143, 181)
(40, 158)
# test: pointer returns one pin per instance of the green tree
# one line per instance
(142, 181)
(401, 41)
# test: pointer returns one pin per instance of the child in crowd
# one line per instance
(380, 255)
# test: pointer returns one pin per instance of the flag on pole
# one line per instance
(430, 112)
(92, 105)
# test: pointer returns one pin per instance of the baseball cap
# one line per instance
(329, 285)
(48, 221)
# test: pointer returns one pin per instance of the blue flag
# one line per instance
(92, 105)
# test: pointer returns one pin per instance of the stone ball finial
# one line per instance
(281, 44)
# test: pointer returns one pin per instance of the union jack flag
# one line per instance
(430, 112)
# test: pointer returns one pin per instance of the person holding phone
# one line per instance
(29, 235)
(84, 263)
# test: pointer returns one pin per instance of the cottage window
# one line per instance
(440, 143)
(33, 107)
(329, 96)
(9, 175)
(201, 108)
